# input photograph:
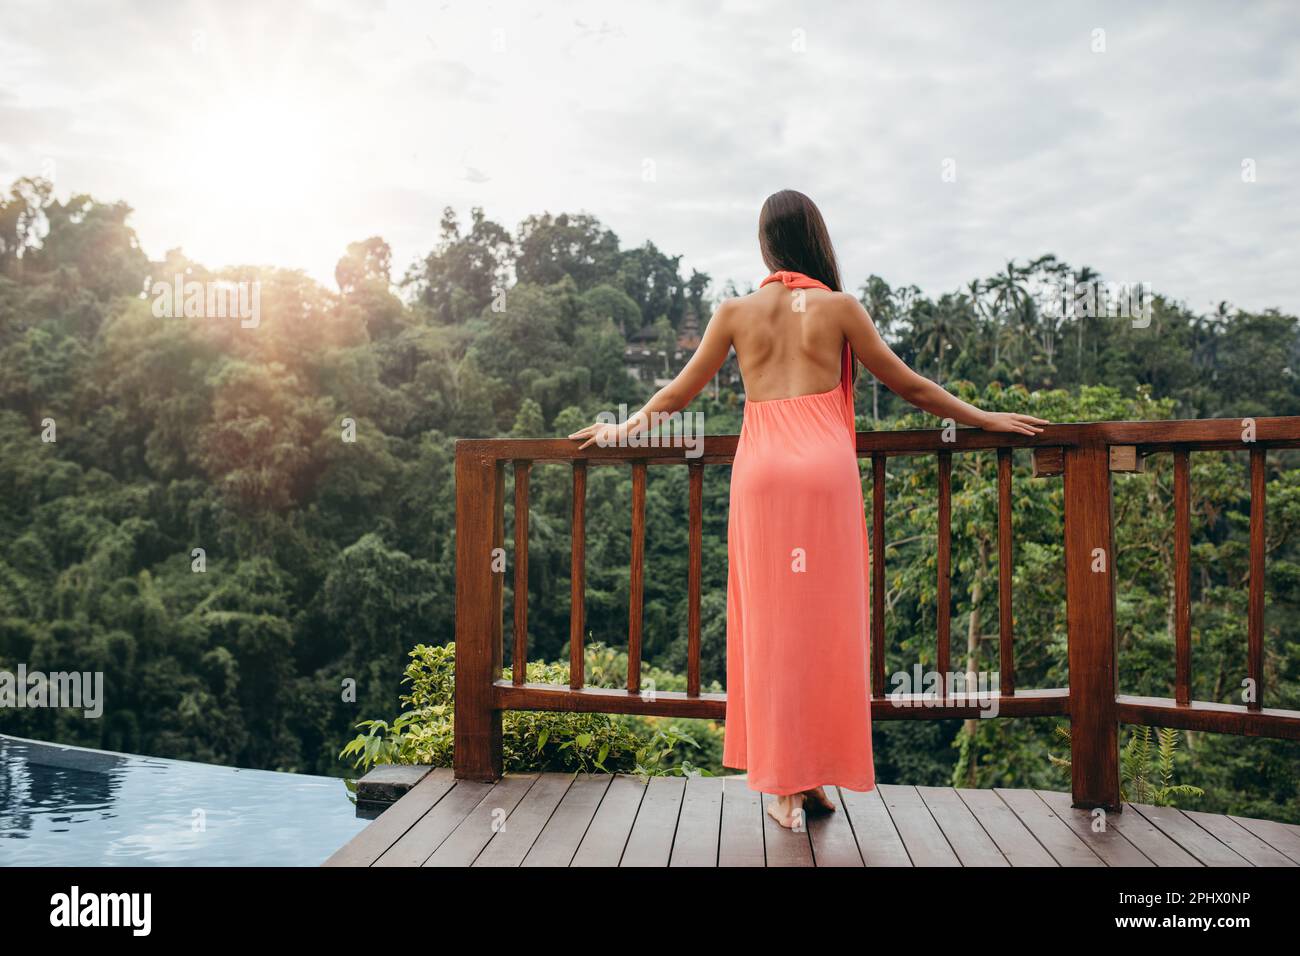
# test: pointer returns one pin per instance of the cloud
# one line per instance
(672, 121)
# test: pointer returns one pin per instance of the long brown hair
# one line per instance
(792, 236)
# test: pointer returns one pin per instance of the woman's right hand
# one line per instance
(601, 434)
(1012, 422)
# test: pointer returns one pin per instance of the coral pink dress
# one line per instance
(798, 708)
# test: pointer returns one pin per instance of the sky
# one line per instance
(1154, 143)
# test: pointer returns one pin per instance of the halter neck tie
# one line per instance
(794, 280)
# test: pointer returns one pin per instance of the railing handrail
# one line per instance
(1201, 434)
(1084, 453)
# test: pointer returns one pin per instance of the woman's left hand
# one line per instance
(1013, 422)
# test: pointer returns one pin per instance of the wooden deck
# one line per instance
(588, 820)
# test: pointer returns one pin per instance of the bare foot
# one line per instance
(787, 810)
(819, 800)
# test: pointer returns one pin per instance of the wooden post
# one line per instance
(478, 618)
(877, 575)
(519, 663)
(694, 576)
(1006, 623)
(578, 579)
(1255, 599)
(636, 582)
(943, 607)
(1090, 620)
(1182, 576)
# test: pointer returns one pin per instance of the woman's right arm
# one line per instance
(874, 352)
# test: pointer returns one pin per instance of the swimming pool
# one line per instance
(68, 806)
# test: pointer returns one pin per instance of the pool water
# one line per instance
(67, 806)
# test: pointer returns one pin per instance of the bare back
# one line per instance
(788, 342)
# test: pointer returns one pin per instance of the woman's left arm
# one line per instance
(915, 389)
(677, 394)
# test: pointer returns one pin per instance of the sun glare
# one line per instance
(257, 171)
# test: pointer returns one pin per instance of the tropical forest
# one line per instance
(248, 527)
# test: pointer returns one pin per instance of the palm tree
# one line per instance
(938, 327)
(878, 299)
(1085, 276)
(1009, 295)
(1048, 269)
(982, 317)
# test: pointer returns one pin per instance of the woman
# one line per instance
(798, 696)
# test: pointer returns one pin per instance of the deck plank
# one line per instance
(1186, 833)
(1051, 831)
(466, 842)
(563, 833)
(785, 846)
(607, 836)
(1280, 836)
(741, 840)
(1237, 838)
(1153, 844)
(873, 829)
(926, 845)
(372, 842)
(651, 840)
(555, 819)
(831, 834)
(1018, 845)
(419, 843)
(973, 846)
(510, 845)
(1109, 844)
(700, 824)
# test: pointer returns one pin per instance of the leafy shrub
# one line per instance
(1140, 781)
(531, 740)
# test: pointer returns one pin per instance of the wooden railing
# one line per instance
(1085, 454)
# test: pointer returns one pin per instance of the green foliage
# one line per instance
(531, 740)
(1146, 772)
